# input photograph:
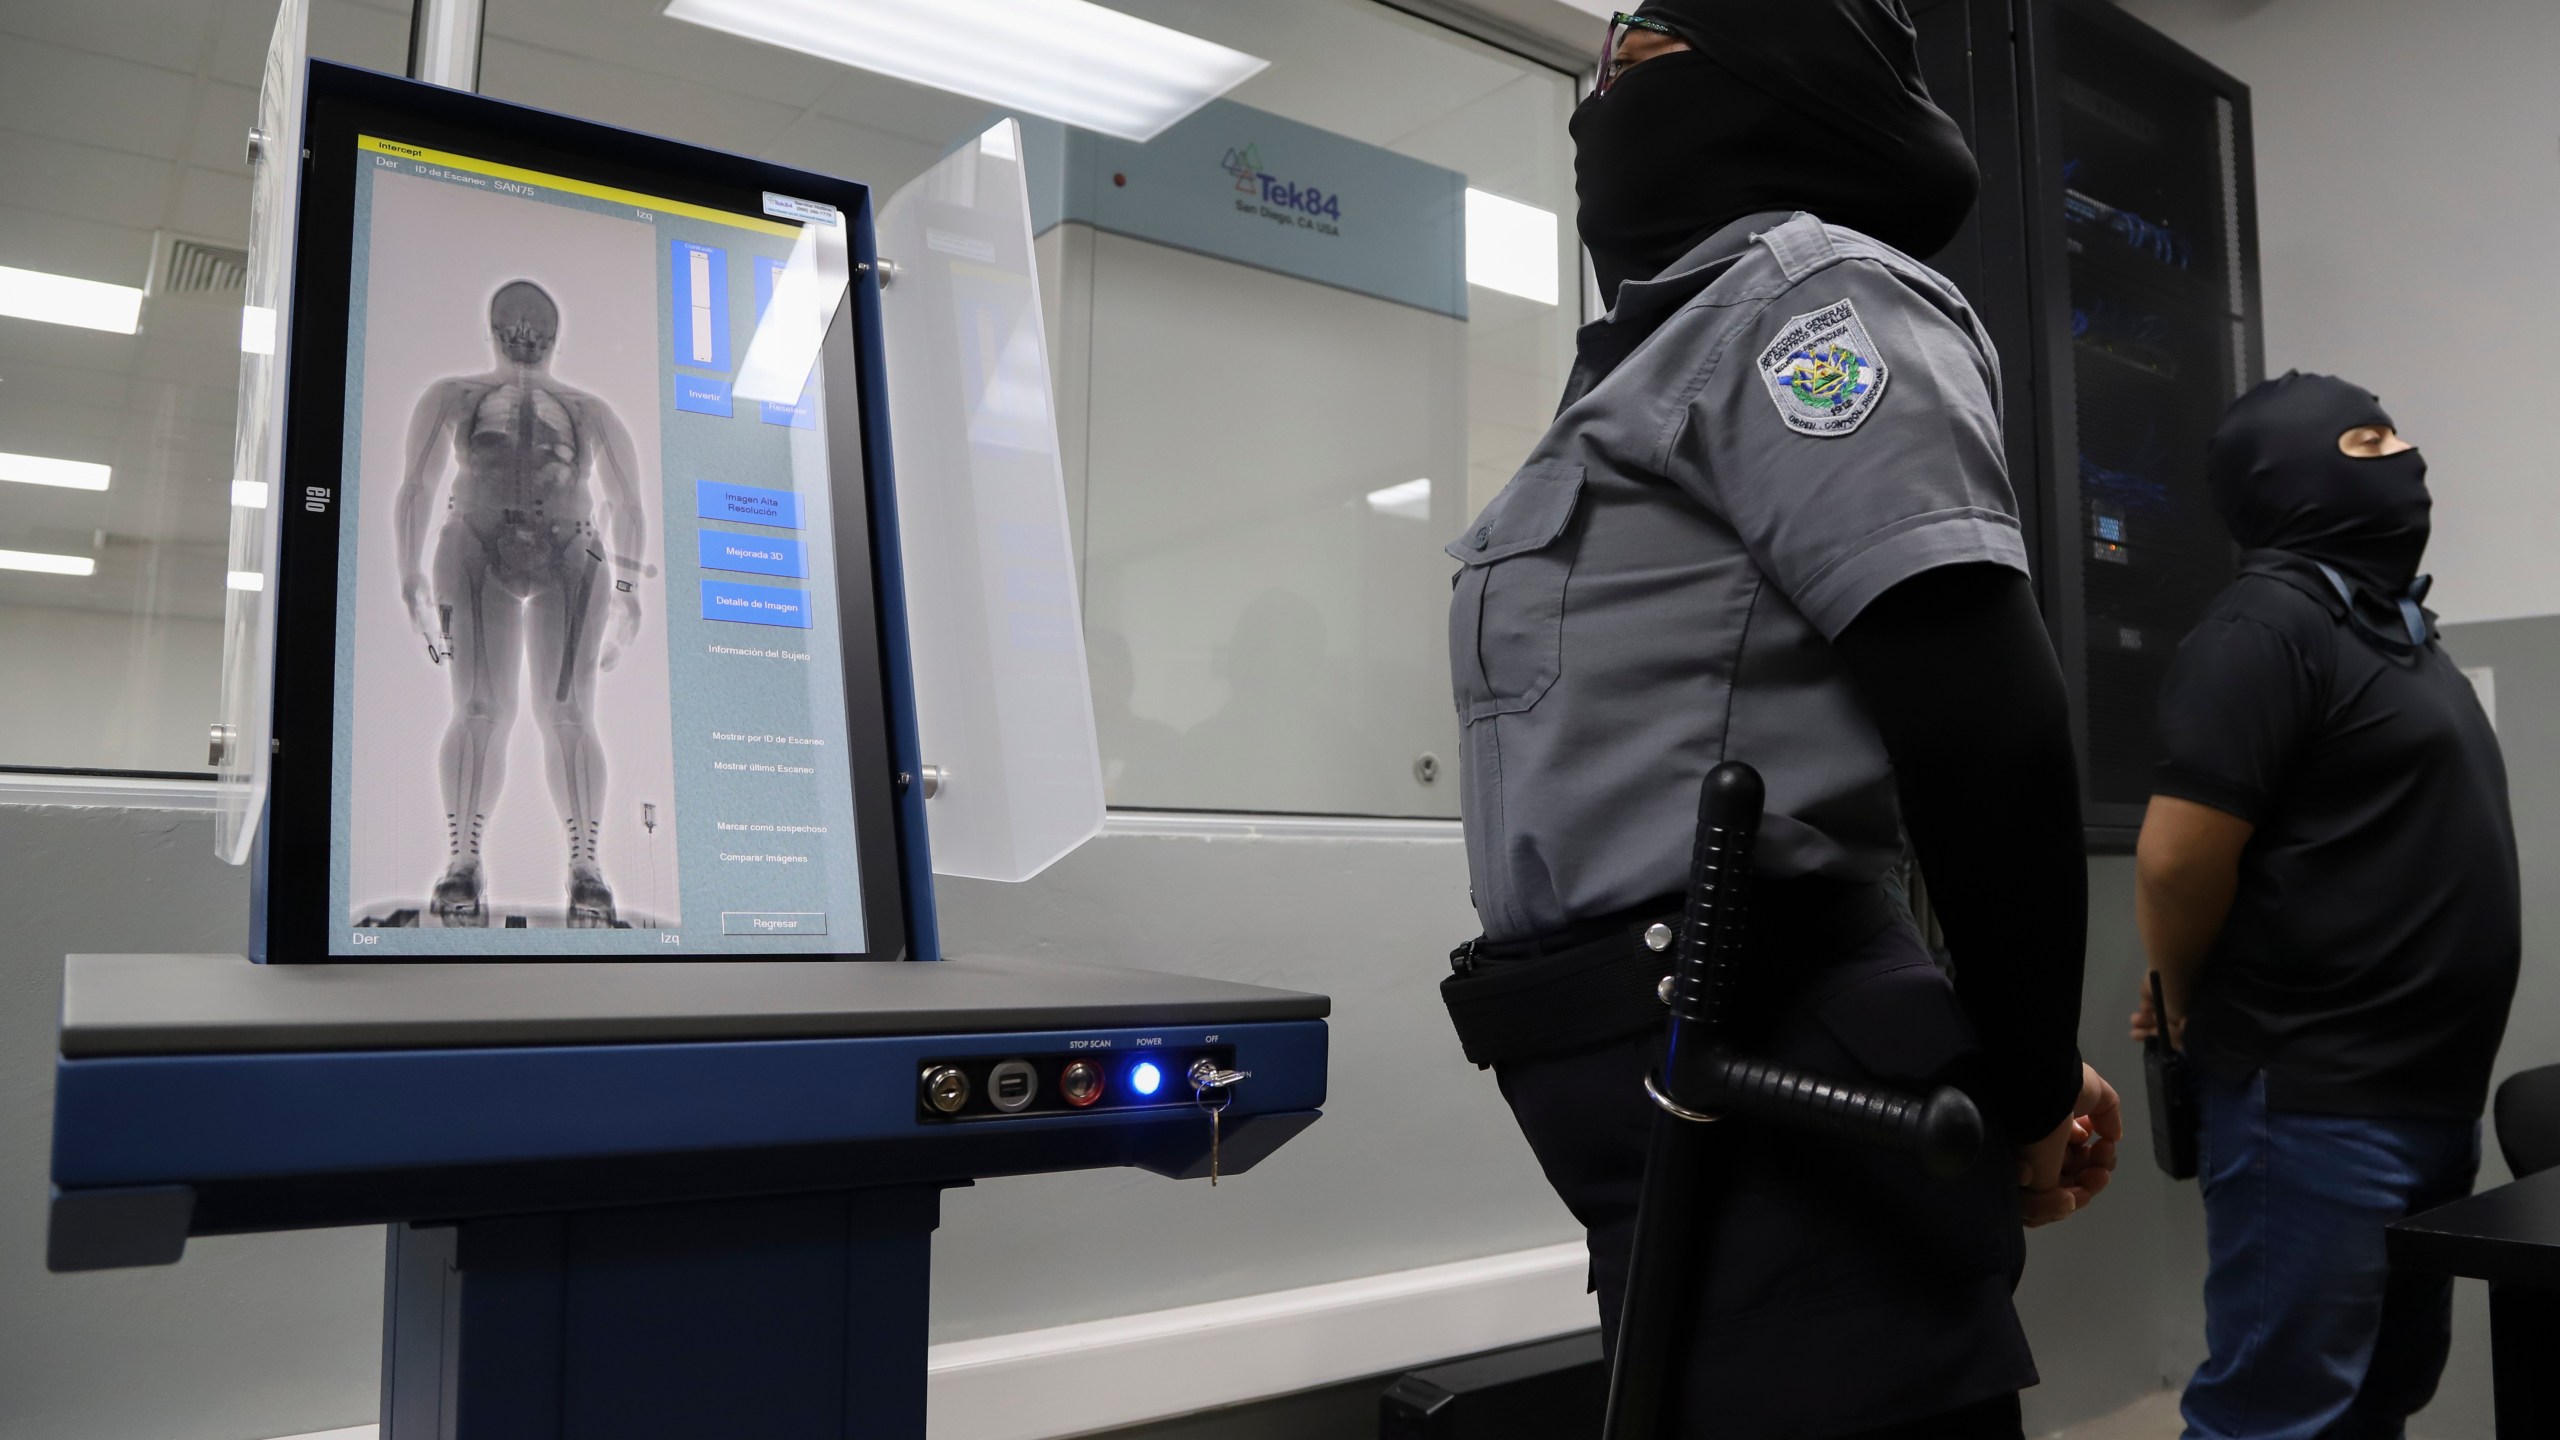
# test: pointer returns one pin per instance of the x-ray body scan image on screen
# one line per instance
(591, 692)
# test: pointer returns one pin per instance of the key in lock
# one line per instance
(1205, 1076)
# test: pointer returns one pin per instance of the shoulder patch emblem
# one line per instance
(1823, 372)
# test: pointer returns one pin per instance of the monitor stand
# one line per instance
(802, 1315)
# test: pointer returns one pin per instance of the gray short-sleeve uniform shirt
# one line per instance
(1812, 418)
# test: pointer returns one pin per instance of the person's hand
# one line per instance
(2060, 1174)
(2146, 1017)
(626, 624)
(419, 597)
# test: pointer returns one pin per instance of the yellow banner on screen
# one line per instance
(522, 176)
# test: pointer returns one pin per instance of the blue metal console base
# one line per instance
(794, 1316)
(299, 1139)
(631, 1201)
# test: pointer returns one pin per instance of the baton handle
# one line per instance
(1713, 956)
(1943, 1130)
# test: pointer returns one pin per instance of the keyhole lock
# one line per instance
(1426, 768)
(946, 1088)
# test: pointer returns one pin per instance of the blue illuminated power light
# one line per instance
(1145, 1078)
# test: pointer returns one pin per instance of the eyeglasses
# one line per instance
(1622, 25)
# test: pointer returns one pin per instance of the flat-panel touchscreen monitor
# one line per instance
(602, 671)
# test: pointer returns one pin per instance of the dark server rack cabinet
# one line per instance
(2114, 258)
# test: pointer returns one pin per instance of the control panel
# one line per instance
(1000, 1087)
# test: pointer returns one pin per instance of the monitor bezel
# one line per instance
(295, 923)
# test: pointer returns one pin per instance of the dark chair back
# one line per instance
(2528, 1118)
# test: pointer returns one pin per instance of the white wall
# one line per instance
(98, 690)
(2408, 193)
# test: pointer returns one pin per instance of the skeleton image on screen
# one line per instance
(524, 592)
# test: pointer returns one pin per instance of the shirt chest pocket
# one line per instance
(1506, 619)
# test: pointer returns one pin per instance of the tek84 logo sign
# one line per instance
(1251, 179)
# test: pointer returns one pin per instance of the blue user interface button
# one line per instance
(754, 554)
(703, 397)
(773, 922)
(746, 505)
(755, 604)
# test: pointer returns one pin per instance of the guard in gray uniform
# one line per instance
(1771, 522)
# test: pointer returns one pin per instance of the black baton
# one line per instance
(1702, 1080)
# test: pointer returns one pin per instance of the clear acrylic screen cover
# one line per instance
(1003, 703)
(257, 457)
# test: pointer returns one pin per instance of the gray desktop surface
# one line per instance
(214, 1004)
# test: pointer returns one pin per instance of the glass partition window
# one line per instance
(123, 223)
(1296, 339)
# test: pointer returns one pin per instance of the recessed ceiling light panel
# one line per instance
(1511, 247)
(1067, 60)
(1410, 500)
(62, 300)
(45, 470)
(37, 562)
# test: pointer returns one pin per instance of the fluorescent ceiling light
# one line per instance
(1511, 247)
(43, 564)
(250, 580)
(1064, 59)
(257, 330)
(1410, 500)
(249, 494)
(61, 300)
(42, 470)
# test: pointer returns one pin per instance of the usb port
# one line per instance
(1012, 1084)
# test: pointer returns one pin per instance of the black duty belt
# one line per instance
(1601, 981)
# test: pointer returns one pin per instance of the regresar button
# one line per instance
(773, 922)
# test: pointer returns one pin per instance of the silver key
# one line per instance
(1216, 1108)
(1205, 1076)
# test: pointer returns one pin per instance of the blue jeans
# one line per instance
(2308, 1332)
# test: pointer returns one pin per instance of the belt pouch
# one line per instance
(1547, 1004)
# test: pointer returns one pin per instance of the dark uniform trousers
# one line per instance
(1846, 1294)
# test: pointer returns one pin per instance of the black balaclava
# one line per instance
(1813, 105)
(2282, 483)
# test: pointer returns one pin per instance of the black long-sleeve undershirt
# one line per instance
(1956, 668)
